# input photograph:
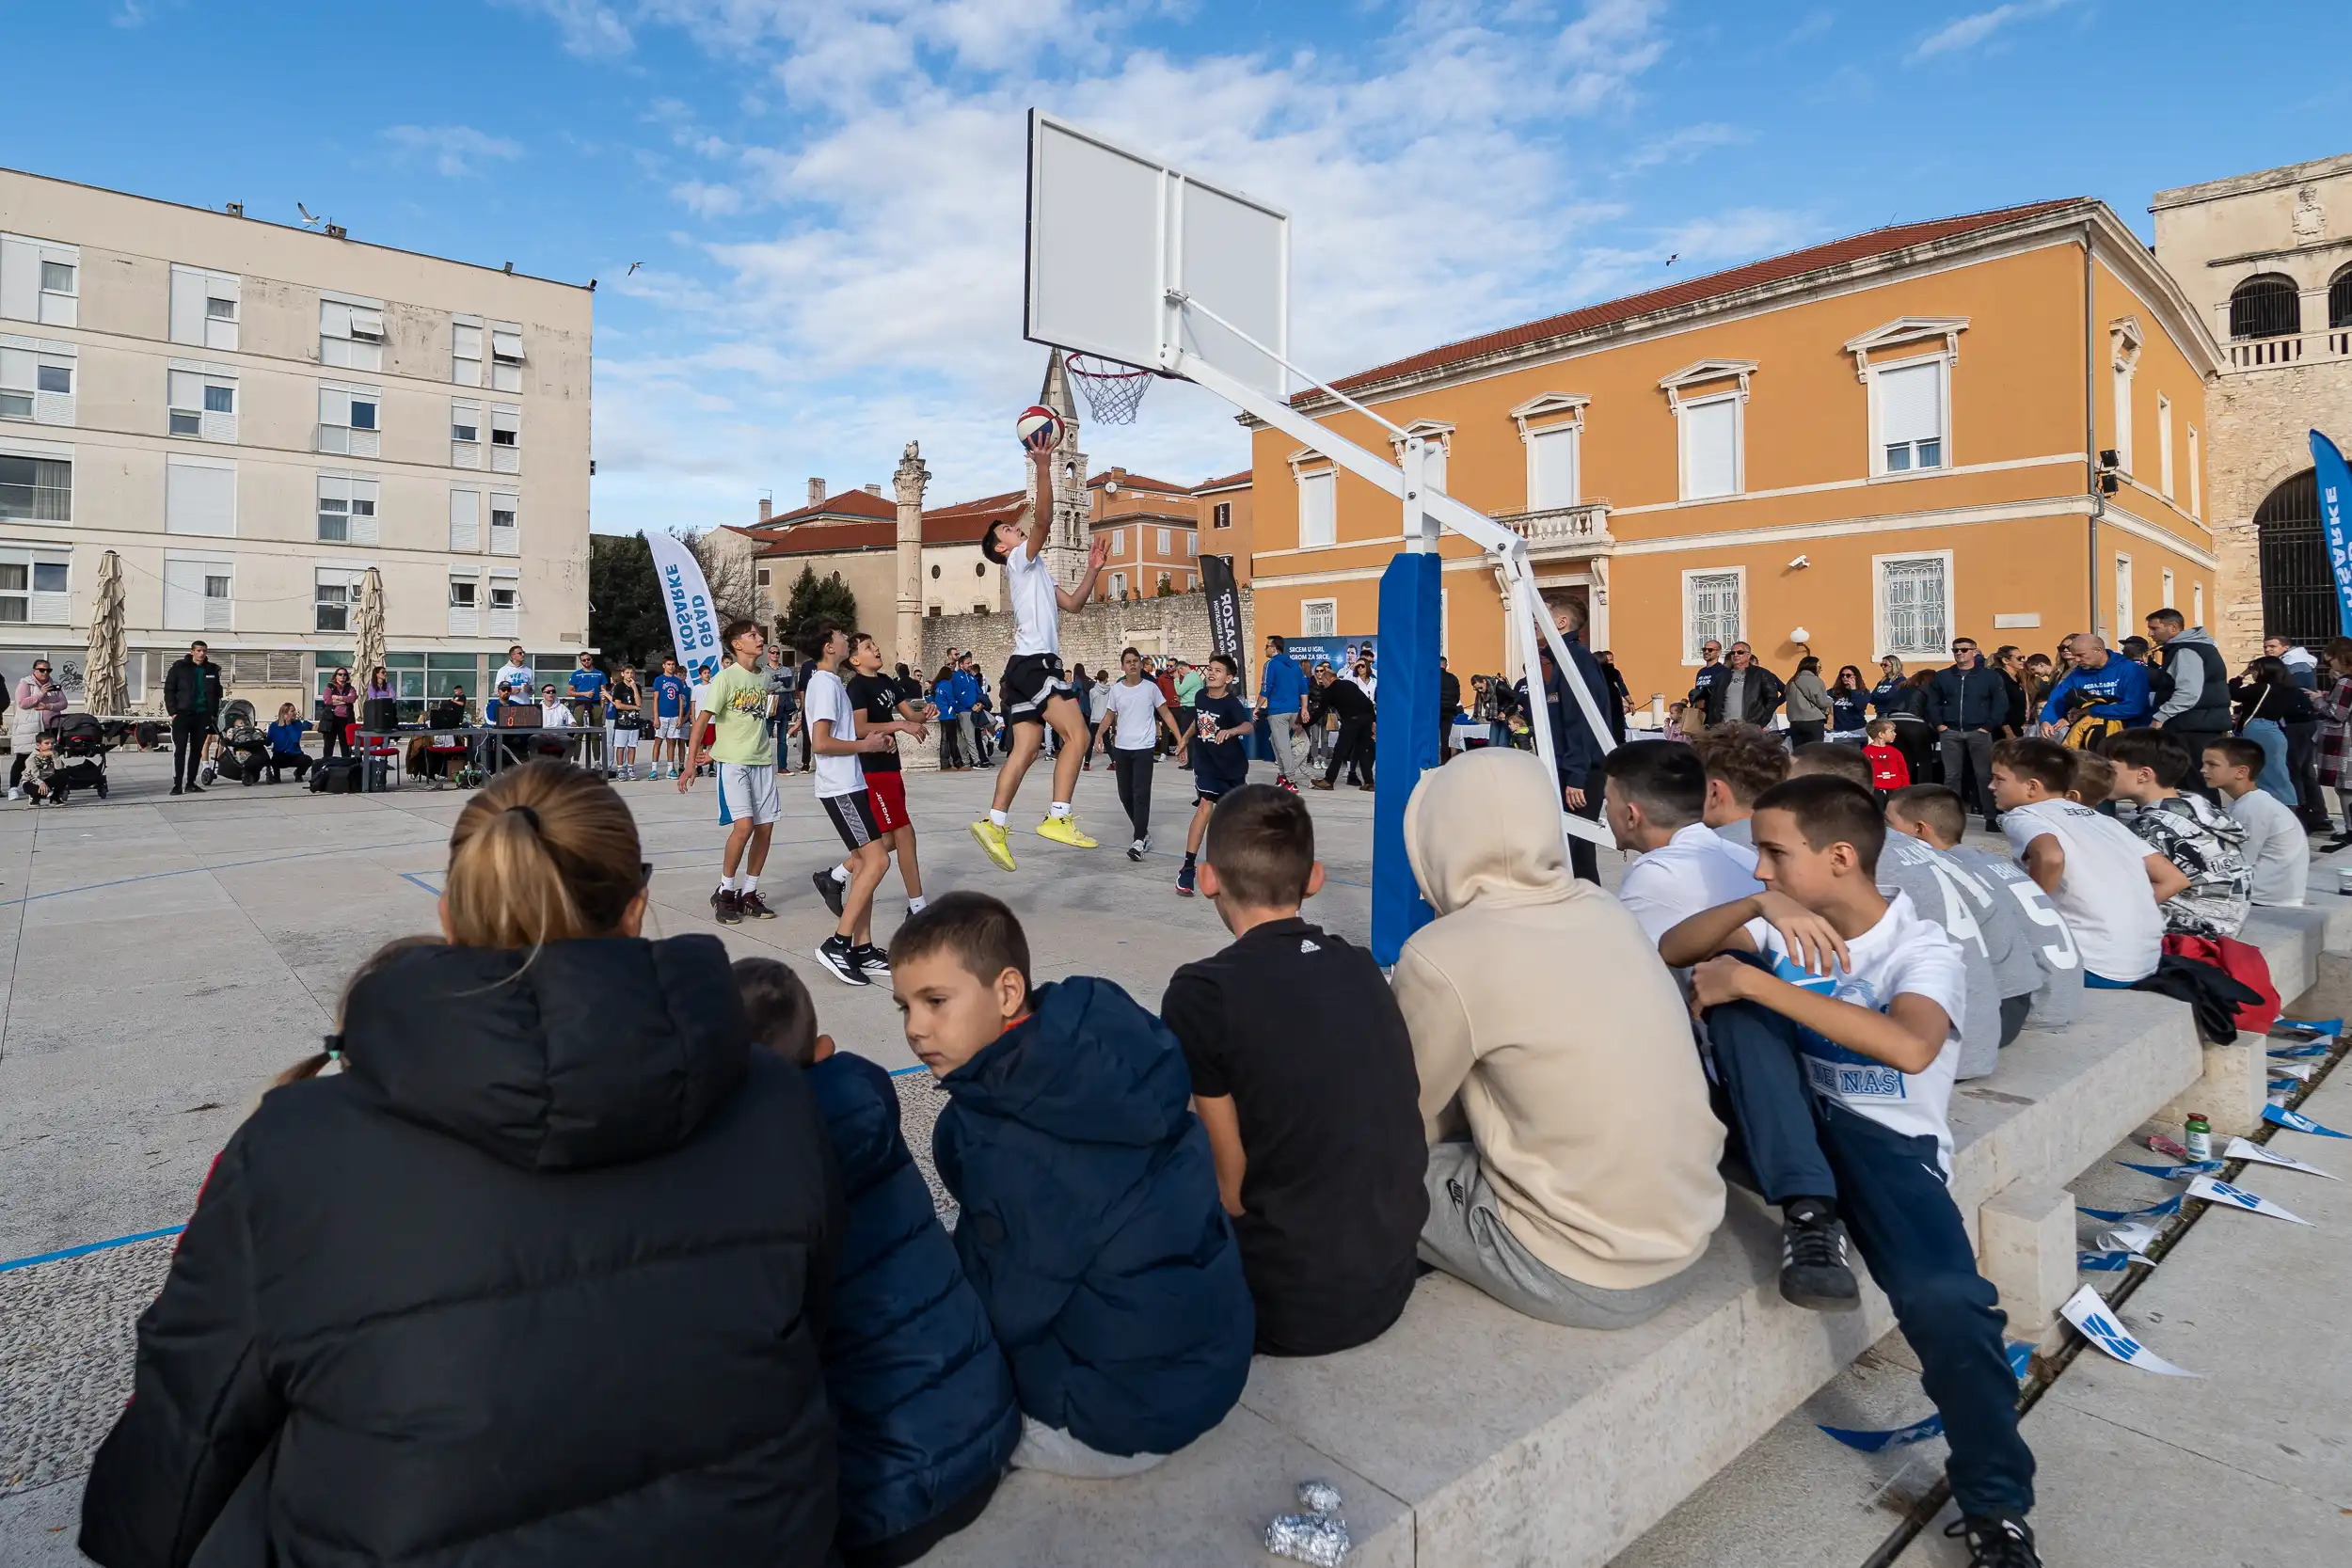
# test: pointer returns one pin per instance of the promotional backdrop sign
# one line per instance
(2335, 496)
(1217, 579)
(1340, 653)
(694, 627)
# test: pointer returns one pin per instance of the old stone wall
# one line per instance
(2261, 423)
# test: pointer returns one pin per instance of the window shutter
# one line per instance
(334, 320)
(1911, 403)
(1710, 433)
(200, 499)
(465, 520)
(221, 332)
(52, 606)
(184, 595)
(19, 279)
(334, 407)
(188, 293)
(1317, 517)
(1551, 461)
(505, 345)
(187, 390)
(506, 537)
(465, 342)
(363, 494)
(368, 325)
(217, 607)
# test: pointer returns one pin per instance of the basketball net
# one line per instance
(1113, 390)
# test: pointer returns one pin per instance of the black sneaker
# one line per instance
(840, 961)
(872, 959)
(175, 789)
(1997, 1541)
(1814, 1273)
(727, 907)
(1184, 878)
(828, 890)
(752, 907)
(1135, 852)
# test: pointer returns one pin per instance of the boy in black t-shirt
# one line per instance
(1220, 762)
(883, 708)
(1303, 1076)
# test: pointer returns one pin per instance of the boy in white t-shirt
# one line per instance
(1133, 710)
(2104, 880)
(1835, 1014)
(1033, 693)
(848, 955)
(2277, 848)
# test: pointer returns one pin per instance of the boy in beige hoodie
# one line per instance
(1572, 1161)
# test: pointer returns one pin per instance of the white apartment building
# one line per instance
(252, 415)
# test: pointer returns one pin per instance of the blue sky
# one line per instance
(826, 199)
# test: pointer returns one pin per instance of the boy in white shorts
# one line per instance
(848, 955)
(1033, 693)
(736, 701)
(672, 697)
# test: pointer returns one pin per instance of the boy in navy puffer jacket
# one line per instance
(1092, 1226)
(922, 1395)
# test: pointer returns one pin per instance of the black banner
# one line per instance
(1217, 579)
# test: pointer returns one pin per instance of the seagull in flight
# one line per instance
(1671, 260)
(632, 267)
(307, 216)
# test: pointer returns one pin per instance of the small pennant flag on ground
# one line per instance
(2238, 1197)
(2243, 1148)
(2278, 1115)
(2169, 1206)
(2088, 1310)
(2195, 1167)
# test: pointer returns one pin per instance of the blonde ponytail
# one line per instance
(545, 852)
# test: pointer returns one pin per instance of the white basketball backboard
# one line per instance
(1113, 231)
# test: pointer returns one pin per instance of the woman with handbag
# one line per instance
(339, 709)
(2268, 701)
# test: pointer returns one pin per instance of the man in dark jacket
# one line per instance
(1449, 707)
(192, 697)
(540, 1276)
(1711, 668)
(2191, 684)
(1746, 693)
(1351, 749)
(1968, 705)
(1577, 752)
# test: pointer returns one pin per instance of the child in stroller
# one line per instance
(245, 751)
(78, 746)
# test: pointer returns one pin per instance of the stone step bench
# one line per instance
(1469, 1434)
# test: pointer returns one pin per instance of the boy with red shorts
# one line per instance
(883, 709)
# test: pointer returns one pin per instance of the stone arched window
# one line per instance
(2265, 306)
(2298, 585)
(2340, 299)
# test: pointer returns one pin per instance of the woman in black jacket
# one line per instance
(539, 1277)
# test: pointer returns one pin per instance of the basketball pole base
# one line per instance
(1405, 708)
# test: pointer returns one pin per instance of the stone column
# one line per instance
(909, 479)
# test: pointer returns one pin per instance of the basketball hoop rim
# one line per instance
(1119, 369)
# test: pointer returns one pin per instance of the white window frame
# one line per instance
(1119, 585)
(1883, 644)
(506, 356)
(506, 457)
(2164, 445)
(176, 463)
(345, 438)
(465, 333)
(348, 579)
(503, 620)
(204, 423)
(2126, 592)
(2123, 340)
(1119, 543)
(1878, 469)
(2170, 587)
(1692, 636)
(1307, 480)
(466, 538)
(465, 619)
(28, 297)
(464, 414)
(511, 503)
(2196, 477)
(351, 331)
(193, 321)
(43, 451)
(1221, 514)
(42, 607)
(1167, 543)
(353, 490)
(1738, 446)
(1548, 416)
(21, 361)
(1310, 608)
(207, 565)
(2197, 595)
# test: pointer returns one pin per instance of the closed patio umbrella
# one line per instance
(370, 627)
(104, 693)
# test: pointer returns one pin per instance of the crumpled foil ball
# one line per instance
(1317, 1538)
(1318, 1497)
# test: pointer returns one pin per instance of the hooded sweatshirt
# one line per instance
(1543, 1019)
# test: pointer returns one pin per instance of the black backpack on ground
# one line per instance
(336, 776)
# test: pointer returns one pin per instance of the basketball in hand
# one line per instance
(1040, 428)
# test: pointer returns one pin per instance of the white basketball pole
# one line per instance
(1530, 627)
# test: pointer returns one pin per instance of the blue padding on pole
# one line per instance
(1408, 716)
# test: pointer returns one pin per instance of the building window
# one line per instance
(465, 353)
(346, 509)
(2340, 300)
(760, 578)
(1119, 541)
(347, 421)
(1318, 516)
(39, 281)
(2197, 597)
(1710, 447)
(1711, 610)
(351, 334)
(36, 489)
(1192, 544)
(506, 439)
(763, 572)
(2166, 602)
(2196, 477)
(2125, 620)
(506, 357)
(200, 496)
(465, 434)
(37, 380)
(338, 591)
(1119, 585)
(1166, 549)
(1551, 476)
(205, 307)
(1318, 617)
(1221, 514)
(2265, 306)
(1913, 605)
(2123, 416)
(505, 608)
(465, 520)
(1166, 585)
(505, 536)
(34, 592)
(463, 618)
(1910, 405)
(203, 402)
(199, 594)
(2164, 445)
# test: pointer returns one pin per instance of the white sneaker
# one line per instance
(16, 794)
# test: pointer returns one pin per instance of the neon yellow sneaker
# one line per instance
(990, 839)
(1064, 829)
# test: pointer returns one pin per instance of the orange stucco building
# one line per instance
(1863, 448)
(1156, 533)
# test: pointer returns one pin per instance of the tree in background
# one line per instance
(729, 572)
(814, 598)
(626, 618)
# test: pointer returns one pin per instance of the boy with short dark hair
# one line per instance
(1890, 769)
(1743, 761)
(1835, 1015)
(1302, 1073)
(2187, 829)
(2033, 953)
(921, 1395)
(1212, 725)
(1091, 1225)
(2278, 852)
(2105, 881)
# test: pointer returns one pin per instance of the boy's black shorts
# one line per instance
(1029, 682)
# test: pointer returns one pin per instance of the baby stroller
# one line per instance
(244, 755)
(81, 737)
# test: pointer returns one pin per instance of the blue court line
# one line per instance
(224, 865)
(88, 1247)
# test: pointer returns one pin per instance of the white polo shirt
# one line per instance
(1694, 870)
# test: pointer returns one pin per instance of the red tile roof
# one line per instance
(963, 523)
(1137, 481)
(1242, 478)
(1694, 291)
(848, 503)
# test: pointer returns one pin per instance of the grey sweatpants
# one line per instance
(1466, 1237)
(1291, 748)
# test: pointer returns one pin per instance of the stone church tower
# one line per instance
(1066, 547)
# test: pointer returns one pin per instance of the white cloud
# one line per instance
(1680, 147)
(707, 200)
(456, 150)
(587, 28)
(1970, 31)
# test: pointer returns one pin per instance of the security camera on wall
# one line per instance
(1800, 562)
